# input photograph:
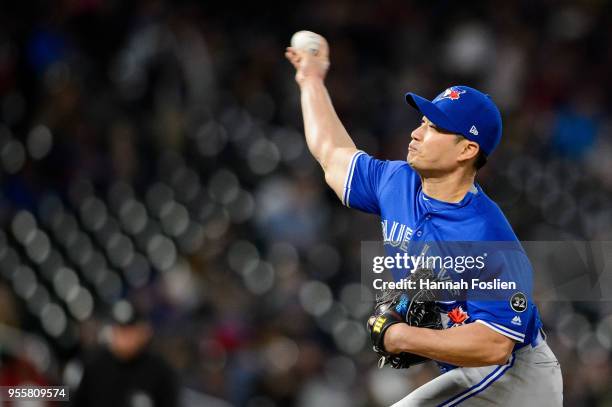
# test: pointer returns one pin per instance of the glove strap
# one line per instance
(380, 326)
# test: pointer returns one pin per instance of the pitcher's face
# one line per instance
(433, 149)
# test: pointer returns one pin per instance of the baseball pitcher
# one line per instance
(490, 352)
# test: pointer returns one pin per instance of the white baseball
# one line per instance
(307, 41)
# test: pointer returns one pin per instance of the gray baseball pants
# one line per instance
(532, 377)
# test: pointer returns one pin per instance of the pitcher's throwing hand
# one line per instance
(309, 61)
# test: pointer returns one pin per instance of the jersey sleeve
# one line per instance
(365, 178)
(506, 311)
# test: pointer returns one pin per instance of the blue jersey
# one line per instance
(392, 190)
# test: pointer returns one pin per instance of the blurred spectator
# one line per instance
(17, 371)
(127, 373)
(21, 357)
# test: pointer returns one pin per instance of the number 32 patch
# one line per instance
(518, 302)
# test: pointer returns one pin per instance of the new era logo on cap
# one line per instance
(474, 130)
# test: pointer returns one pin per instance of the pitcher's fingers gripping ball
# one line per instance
(309, 55)
(307, 41)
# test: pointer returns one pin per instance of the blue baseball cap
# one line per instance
(463, 110)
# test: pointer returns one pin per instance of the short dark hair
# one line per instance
(481, 158)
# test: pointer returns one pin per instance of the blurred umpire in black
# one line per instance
(127, 373)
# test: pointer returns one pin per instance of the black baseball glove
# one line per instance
(415, 307)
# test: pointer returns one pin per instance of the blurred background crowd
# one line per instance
(155, 184)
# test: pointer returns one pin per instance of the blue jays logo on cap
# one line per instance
(465, 111)
(450, 93)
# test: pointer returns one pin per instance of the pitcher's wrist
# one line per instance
(310, 80)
